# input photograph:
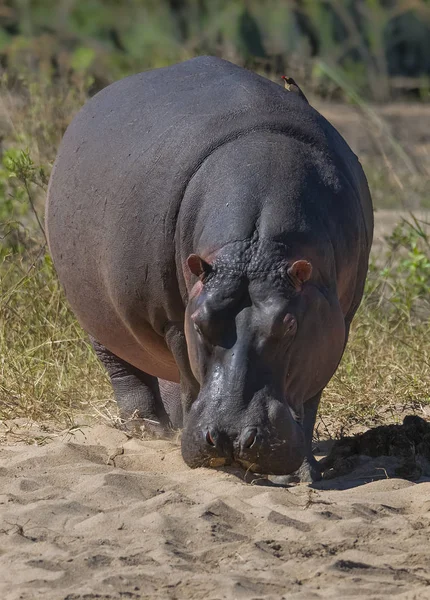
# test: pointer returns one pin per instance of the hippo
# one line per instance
(211, 231)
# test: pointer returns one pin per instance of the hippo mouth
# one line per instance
(265, 450)
(246, 465)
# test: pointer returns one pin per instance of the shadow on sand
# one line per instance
(384, 452)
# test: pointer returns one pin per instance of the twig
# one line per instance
(33, 208)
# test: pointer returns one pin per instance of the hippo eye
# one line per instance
(290, 324)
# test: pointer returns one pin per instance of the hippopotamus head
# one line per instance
(263, 337)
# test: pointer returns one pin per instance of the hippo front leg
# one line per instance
(136, 393)
(310, 469)
(171, 397)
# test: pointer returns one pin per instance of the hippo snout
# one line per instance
(271, 448)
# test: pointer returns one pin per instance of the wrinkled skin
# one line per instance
(212, 233)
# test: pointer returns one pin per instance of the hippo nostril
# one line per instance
(250, 439)
(209, 439)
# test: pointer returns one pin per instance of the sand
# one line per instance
(93, 514)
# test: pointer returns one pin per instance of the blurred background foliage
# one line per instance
(382, 47)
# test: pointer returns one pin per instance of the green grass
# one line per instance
(387, 193)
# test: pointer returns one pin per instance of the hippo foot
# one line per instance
(309, 472)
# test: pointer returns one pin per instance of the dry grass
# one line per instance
(386, 367)
(48, 370)
(384, 375)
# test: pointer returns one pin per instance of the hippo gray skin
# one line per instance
(212, 233)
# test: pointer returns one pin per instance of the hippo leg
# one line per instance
(137, 393)
(171, 397)
(309, 470)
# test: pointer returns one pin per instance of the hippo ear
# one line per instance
(198, 266)
(300, 272)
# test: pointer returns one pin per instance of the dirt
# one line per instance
(93, 514)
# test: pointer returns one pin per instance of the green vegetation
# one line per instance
(47, 368)
(380, 46)
(386, 368)
(59, 53)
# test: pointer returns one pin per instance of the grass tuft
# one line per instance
(47, 370)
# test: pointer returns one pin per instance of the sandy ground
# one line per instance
(95, 515)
